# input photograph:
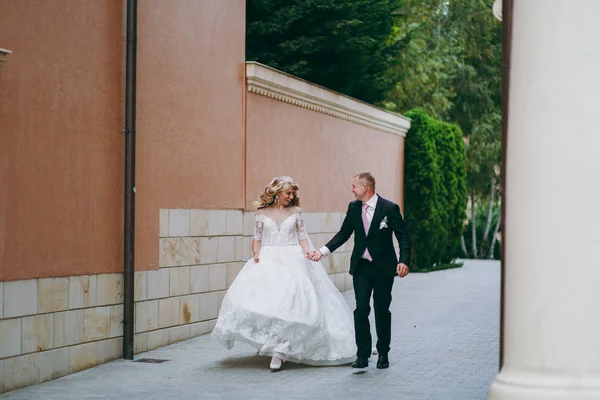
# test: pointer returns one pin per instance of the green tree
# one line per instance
(483, 182)
(477, 81)
(341, 44)
(477, 109)
(451, 67)
(426, 64)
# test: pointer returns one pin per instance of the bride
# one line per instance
(282, 303)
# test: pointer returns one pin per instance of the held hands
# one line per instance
(317, 255)
(314, 255)
(402, 270)
(256, 259)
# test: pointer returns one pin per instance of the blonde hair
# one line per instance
(368, 178)
(278, 185)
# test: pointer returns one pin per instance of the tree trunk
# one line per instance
(488, 223)
(473, 228)
(494, 239)
(463, 246)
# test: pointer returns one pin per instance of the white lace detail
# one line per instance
(300, 227)
(258, 228)
(274, 228)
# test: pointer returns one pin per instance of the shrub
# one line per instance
(435, 192)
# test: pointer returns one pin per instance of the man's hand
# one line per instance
(317, 255)
(402, 270)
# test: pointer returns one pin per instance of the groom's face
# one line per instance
(359, 189)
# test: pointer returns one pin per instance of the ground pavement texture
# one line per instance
(445, 330)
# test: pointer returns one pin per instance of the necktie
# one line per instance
(366, 225)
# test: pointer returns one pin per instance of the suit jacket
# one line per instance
(378, 241)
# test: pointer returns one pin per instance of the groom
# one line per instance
(374, 263)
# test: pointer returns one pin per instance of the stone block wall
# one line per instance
(56, 326)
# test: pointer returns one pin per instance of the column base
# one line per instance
(513, 385)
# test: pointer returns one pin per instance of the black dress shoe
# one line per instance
(383, 361)
(361, 363)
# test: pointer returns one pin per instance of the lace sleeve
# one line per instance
(300, 226)
(258, 227)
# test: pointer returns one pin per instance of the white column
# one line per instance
(552, 276)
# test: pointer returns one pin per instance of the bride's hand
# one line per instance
(310, 255)
(256, 259)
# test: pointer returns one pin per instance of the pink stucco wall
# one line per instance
(61, 147)
(190, 111)
(61, 107)
(320, 152)
(203, 142)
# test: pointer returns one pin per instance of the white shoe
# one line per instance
(276, 363)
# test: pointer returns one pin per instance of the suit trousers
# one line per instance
(369, 279)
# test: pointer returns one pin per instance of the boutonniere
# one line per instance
(383, 223)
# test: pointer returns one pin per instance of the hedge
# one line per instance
(435, 191)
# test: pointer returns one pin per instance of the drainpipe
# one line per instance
(130, 102)
(503, 11)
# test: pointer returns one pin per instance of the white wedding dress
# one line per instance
(286, 303)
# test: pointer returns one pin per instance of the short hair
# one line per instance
(368, 178)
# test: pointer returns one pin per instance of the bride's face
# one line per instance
(285, 197)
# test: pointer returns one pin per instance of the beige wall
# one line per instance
(190, 118)
(320, 152)
(61, 152)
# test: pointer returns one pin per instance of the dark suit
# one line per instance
(375, 276)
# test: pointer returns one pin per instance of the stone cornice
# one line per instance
(278, 85)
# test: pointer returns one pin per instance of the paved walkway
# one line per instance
(444, 347)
